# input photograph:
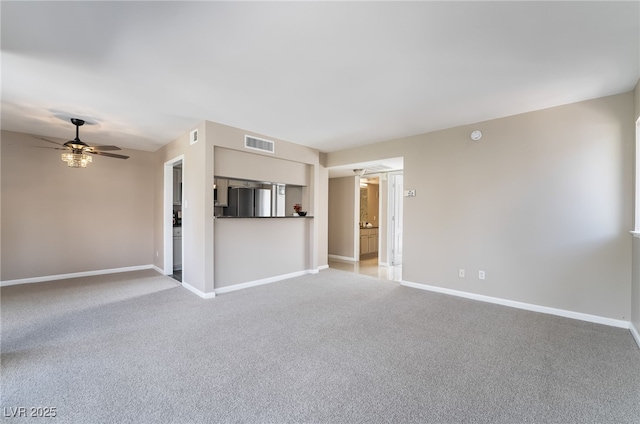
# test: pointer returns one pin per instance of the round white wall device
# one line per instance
(476, 135)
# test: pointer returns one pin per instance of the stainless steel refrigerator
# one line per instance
(246, 202)
(262, 202)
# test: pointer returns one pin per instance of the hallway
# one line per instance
(369, 267)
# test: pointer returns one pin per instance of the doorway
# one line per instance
(369, 217)
(374, 224)
(172, 218)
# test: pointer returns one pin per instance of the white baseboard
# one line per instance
(634, 333)
(160, 270)
(383, 264)
(246, 285)
(343, 258)
(202, 294)
(77, 274)
(521, 305)
(322, 267)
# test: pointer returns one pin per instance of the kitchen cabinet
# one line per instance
(177, 248)
(177, 186)
(373, 243)
(364, 244)
(368, 241)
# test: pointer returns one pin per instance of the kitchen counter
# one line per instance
(261, 217)
(272, 247)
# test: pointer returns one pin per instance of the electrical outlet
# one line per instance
(481, 275)
(461, 273)
(157, 253)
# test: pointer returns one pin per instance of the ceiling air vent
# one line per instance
(256, 143)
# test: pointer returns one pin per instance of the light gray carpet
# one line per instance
(334, 347)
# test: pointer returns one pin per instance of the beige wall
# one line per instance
(197, 208)
(259, 167)
(58, 220)
(251, 249)
(342, 208)
(542, 204)
(635, 287)
(290, 163)
(119, 205)
(170, 151)
(321, 208)
(206, 251)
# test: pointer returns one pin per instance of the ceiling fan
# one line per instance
(76, 154)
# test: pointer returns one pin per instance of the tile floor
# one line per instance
(369, 267)
(365, 266)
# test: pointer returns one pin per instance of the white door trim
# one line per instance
(168, 214)
(356, 218)
(395, 196)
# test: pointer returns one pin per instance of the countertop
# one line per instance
(262, 217)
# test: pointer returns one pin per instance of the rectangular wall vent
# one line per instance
(193, 137)
(261, 144)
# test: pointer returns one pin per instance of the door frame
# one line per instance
(168, 214)
(394, 197)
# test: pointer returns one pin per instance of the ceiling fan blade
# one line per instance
(111, 155)
(47, 147)
(50, 141)
(103, 148)
(37, 147)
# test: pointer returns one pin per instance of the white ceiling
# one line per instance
(329, 75)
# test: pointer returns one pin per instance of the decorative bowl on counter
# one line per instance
(301, 213)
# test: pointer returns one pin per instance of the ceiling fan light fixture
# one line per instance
(76, 160)
(76, 150)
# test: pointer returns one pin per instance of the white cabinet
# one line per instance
(177, 186)
(373, 243)
(368, 241)
(177, 247)
(364, 244)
